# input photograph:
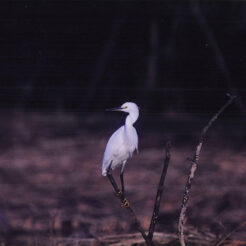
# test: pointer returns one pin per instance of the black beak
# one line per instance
(114, 109)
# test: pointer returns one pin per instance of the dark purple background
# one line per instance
(88, 55)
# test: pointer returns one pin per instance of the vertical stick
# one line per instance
(194, 163)
(155, 214)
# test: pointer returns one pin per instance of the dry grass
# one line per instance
(51, 183)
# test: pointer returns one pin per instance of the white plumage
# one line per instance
(123, 142)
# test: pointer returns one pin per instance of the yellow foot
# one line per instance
(125, 203)
(118, 194)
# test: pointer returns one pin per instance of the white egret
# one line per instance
(122, 143)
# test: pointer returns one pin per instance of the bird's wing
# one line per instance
(135, 139)
(113, 147)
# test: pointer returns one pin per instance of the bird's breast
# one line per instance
(131, 139)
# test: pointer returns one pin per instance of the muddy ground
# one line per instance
(51, 183)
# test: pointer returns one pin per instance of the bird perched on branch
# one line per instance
(122, 143)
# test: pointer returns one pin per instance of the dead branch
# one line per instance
(135, 239)
(126, 204)
(155, 214)
(223, 239)
(194, 163)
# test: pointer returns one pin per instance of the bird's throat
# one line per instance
(130, 120)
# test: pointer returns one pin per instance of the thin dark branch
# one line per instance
(222, 240)
(194, 163)
(128, 208)
(155, 214)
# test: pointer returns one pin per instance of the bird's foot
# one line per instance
(119, 193)
(125, 203)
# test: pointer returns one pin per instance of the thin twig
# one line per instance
(155, 214)
(128, 208)
(194, 163)
(222, 240)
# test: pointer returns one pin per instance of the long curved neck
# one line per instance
(131, 119)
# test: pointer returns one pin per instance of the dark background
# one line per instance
(88, 55)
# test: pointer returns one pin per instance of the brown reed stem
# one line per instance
(194, 164)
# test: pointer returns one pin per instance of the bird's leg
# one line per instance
(112, 181)
(122, 180)
(109, 169)
(125, 202)
(122, 183)
(119, 194)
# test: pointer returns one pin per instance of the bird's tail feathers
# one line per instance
(104, 172)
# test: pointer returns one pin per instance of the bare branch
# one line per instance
(194, 163)
(222, 240)
(126, 204)
(155, 214)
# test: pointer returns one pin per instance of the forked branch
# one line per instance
(126, 204)
(155, 214)
(194, 163)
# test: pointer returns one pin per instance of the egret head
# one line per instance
(130, 108)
